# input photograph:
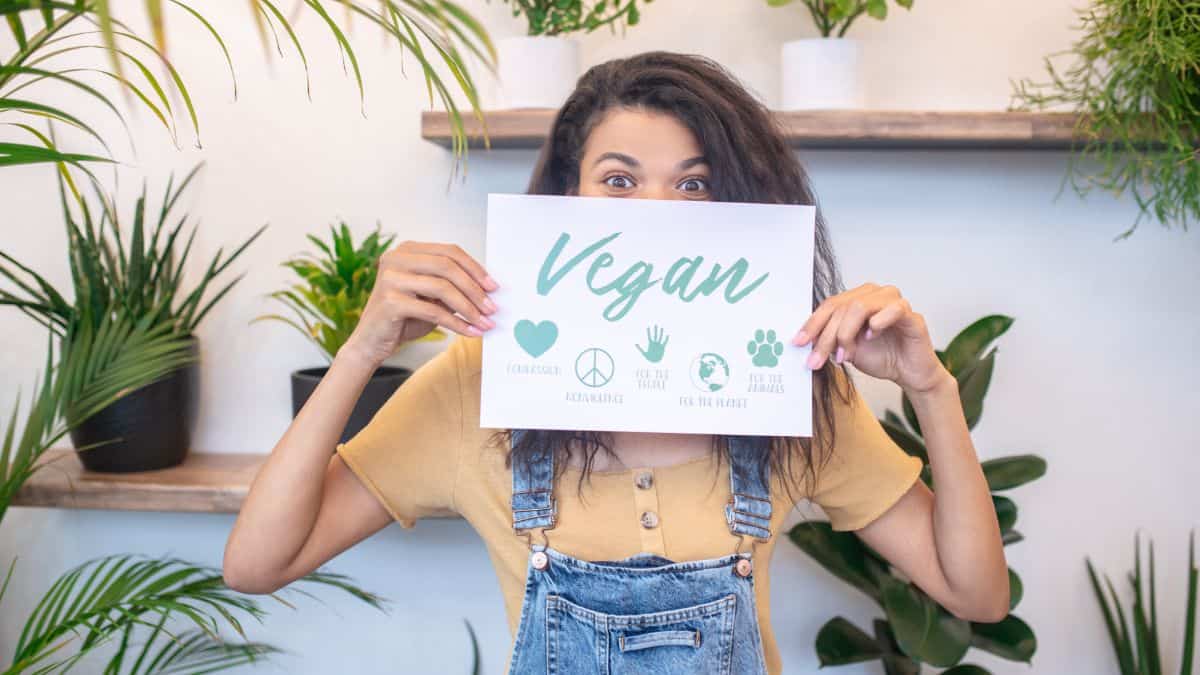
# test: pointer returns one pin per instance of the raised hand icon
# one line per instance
(658, 344)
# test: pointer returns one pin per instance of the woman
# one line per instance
(616, 552)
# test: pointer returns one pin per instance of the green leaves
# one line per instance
(1133, 78)
(435, 33)
(841, 553)
(127, 600)
(560, 17)
(924, 630)
(1005, 473)
(840, 642)
(1136, 647)
(333, 289)
(1010, 638)
(834, 17)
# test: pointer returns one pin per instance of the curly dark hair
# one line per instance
(749, 161)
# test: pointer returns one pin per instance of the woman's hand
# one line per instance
(876, 329)
(420, 286)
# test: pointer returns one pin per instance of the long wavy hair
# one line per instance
(749, 161)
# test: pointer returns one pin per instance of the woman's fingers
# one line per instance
(826, 342)
(854, 319)
(434, 313)
(460, 258)
(889, 315)
(432, 287)
(448, 269)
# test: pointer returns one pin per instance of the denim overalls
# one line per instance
(644, 614)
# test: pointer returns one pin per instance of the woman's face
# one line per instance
(643, 154)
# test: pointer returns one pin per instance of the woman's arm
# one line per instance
(949, 544)
(305, 505)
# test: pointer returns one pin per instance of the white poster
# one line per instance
(648, 315)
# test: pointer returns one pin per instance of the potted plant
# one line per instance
(122, 286)
(823, 73)
(327, 302)
(1134, 82)
(539, 69)
(915, 629)
(147, 615)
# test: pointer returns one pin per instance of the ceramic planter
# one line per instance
(536, 71)
(153, 425)
(383, 383)
(821, 74)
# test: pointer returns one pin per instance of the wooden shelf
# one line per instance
(204, 483)
(834, 129)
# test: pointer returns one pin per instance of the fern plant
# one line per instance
(916, 630)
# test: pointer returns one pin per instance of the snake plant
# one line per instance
(1136, 646)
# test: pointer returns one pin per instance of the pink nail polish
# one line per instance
(487, 323)
(870, 334)
(813, 359)
(488, 305)
(800, 338)
(491, 282)
(841, 353)
(474, 331)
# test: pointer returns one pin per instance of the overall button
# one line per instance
(649, 520)
(644, 480)
(743, 567)
(540, 560)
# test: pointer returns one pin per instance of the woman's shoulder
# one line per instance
(466, 354)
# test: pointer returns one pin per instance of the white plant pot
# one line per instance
(821, 73)
(536, 72)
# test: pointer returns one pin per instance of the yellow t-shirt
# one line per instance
(424, 455)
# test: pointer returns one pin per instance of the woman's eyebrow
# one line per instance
(619, 156)
(689, 163)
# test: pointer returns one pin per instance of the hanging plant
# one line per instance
(1135, 84)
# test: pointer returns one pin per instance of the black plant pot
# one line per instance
(381, 386)
(153, 425)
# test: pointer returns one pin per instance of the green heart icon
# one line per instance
(536, 339)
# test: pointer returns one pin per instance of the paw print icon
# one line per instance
(765, 348)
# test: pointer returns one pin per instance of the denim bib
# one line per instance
(644, 614)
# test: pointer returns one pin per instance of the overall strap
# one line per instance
(532, 502)
(749, 509)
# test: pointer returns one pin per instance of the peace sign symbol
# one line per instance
(594, 367)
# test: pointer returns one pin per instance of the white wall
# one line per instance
(1098, 374)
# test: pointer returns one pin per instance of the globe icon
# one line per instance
(710, 372)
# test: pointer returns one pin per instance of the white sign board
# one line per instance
(648, 315)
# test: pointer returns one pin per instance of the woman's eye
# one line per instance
(694, 185)
(619, 182)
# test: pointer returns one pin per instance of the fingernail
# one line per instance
(489, 281)
(841, 353)
(488, 305)
(487, 323)
(870, 334)
(800, 338)
(814, 359)
(474, 331)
